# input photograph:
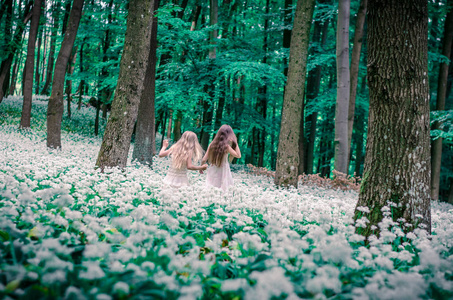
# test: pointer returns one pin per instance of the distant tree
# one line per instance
(436, 150)
(29, 65)
(288, 154)
(397, 161)
(354, 71)
(145, 139)
(51, 58)
(55, 107)
(341, 112)
(12, 48)
(117, 137)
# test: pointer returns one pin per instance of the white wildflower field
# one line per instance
(69, 231)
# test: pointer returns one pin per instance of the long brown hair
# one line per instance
(187, 145)
(219, 145)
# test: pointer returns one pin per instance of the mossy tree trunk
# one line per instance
(288, 154)
(145, 138)
(397, 162)
(55, 107)
(117, 137)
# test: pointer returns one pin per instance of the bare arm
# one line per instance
(234, 152)
(190, 165)
(205, 157)
(164, 152)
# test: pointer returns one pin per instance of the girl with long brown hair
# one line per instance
(184, 154)
(224, 143)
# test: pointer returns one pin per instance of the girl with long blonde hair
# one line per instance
(184, 154)
(224, 143)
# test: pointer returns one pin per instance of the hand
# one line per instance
(165, 144)
(204, 167)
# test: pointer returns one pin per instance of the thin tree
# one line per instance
(55, 107)
(397, 161)
(436, 150)
(29, 65)
(117, 137)
(341, 111)
(354, 72)
(51, 59)
(13, 46)
(288, 155)
(145, 139)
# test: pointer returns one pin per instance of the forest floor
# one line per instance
(67, 230)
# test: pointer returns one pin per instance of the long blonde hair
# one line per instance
(219, 145)
(187, 145)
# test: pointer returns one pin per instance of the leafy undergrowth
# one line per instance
(69, 231)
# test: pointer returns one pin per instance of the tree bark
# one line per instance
(38, 58)
(29, 65)
(341, 112)
(288, 159)
(436, 151)
(397, 167)
(55, 107)
(355, 60)
(12, 86)
(117, 137)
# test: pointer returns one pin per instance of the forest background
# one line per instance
(221, 62)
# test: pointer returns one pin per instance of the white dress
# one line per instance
(220, 176)
(176, 178)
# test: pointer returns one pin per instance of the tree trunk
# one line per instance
(355, 60)
(38, 58)
(288, 159)
(177, 127)
(287, 18)
(117, 137)
(82, 81)
(341, 112)
(12, 86)
(8, 6)
(450, 192)
(55, 107)
(195, 17)
(15, 44)
(29, 65)
(436, 157)
(69, 71)
(397, 167)
(51, 59)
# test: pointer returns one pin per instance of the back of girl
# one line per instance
(224, 143)
(183, 154)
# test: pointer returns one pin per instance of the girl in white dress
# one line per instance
(224, 143)
(183, 154)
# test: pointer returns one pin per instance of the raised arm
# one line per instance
(164, 152)
(236, 152)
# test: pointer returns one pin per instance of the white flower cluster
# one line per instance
(67, 227)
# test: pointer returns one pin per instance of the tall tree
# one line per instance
(287, 157)
(55, 107)
(51, 59)
(29, 65)
(117, 137)
(354, 72)
(341, 112)
(397, 167)
(13, 46)
(207, 106)
(145, 139)
(436, 150)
